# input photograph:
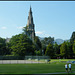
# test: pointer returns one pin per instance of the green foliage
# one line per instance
(25, 30)
(2, 40)
(72, 38)
(56, 48)
(37, 43)
(69, 50)
(37, 52)
(63, 50)
(45, 42)
(3, 49)
(37, 46)
(74, 48)
(8, 49)
(21, 45)
(49, 51)
(66, 50)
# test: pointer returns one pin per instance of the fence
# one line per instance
(37, 57)
(12, 58)
(23, 60)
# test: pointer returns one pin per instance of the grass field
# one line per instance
(59, 60)
(34, 68)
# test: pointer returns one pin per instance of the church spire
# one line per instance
(30, 17)
(30, 9)
(30, 26)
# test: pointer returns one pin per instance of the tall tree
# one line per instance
(38, 46)
(73, 48)
(21, 45)
(69, 49)
(3, 50)
(38, 43)
(56, 49)
(49, 51)
(46, 41)
(63, 50)
(72, 38)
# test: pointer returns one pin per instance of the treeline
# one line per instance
(21, 45)
(64, 50)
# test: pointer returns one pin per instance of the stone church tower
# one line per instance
(30, 26)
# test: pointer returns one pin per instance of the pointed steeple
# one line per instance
(30, 26)
(30, 17)
(30, 9)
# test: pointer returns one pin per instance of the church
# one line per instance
(30, 26)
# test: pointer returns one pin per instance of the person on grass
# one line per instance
(66, 67)
(69, 66)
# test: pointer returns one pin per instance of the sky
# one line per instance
(51, 18)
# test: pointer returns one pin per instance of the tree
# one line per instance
(2, 40)
(63, 50)
(38, 45)
(21, 45)
(8, 52)
(69, 50)
(45, 42)
(56, 49)
(48, 40)
(49, 51)
(72, 38)
(3, 50)
(25, 30)
(38, 53)
(73, 48)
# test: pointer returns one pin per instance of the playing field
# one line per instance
(33, 68)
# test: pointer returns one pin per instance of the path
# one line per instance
(59, 73)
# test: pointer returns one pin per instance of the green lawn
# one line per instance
(33, 68)
(55, 60)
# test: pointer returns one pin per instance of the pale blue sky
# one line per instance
(51, 18)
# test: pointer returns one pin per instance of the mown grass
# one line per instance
(54, 60)
(62, 59)
(33, 68)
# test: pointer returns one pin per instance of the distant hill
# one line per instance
(41, 38)
(59, 41)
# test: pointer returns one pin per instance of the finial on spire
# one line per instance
(30, 9)
(30, 6)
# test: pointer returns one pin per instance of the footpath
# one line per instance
(73, 72)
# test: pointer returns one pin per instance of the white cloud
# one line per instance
(43, 34)
(3, 27)
(39, 32)
(21, 27)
